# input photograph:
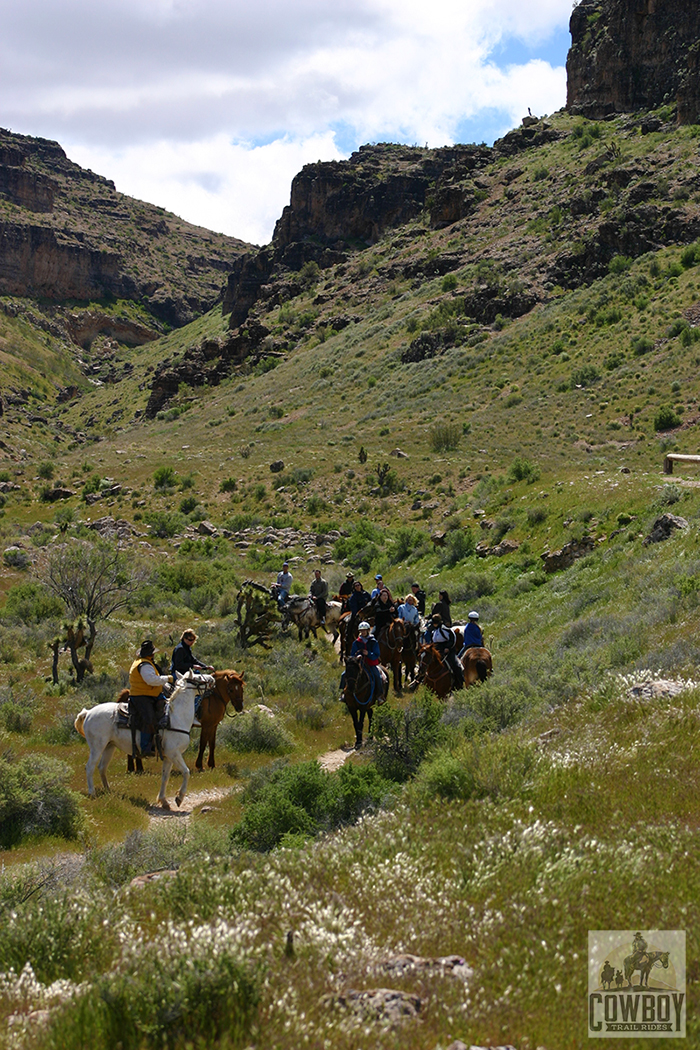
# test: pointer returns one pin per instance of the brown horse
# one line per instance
(390, 640)
(437, 673)
(359, 695)
(409, 651)
(477, 665)
(228, 686)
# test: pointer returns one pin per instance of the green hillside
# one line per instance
(533, 363)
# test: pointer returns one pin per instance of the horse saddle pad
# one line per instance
(123, 718)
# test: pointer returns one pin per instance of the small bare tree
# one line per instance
(93, 580)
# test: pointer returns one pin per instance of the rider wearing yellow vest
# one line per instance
(146, 685)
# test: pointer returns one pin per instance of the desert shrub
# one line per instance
(31, 603)
(61, 934)
(475, 585)
(196, 992)
(666, 418)
(228, 485)
(255, 731)
(497, 705)
(407, 543)
(165, 523)
(536, 515)
(46, 471)
(14, 717)
(585, 376)
(449, 283)
(482, 767)
(188, 504)
(165, 846)
(361, 548)
(459, 544)
(311, 717)
(403, 738)
(641, 345)
(35, 800)
(293, 672)
(668, 495)
(303, 800)
(523, 470)
(619, 264)
(298, 477)
(16, 558)
(445, 437)
(502, 526)
(164, 478)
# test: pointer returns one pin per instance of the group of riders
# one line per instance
(149, 687)
(356, 601)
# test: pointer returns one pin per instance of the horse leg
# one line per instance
(180, 763)
(167, 766)
(397, 675)
(199, 764)
(358, 729)
(212, 745)
(90, 766)
(106, 758)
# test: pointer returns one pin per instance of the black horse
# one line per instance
(360, 694)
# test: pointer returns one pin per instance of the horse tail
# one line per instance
(79, 721)
(482, 670)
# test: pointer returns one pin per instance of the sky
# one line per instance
(210, 107)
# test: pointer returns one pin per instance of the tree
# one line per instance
(93, 580)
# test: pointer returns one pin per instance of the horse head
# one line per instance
(229, 686)
(191, 680)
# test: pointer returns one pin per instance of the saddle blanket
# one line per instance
(124, 716)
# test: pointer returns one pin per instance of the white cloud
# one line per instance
(157, 93)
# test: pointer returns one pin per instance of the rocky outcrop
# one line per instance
(629, 55)
(67, 234)
(552, 561)
(664, 527)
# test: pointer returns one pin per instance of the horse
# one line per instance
(477, 665)
(643, 962)
(390, 640)
(409, 651)
(228, 686)
(437, 672)
(607, 975)
(99, 727)
(302, 612)
(359, 695)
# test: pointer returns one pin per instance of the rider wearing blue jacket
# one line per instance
(473, 635)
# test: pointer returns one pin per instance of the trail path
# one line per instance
(335, 759)
(191, 800)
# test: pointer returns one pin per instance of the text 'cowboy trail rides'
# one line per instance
(636, 983)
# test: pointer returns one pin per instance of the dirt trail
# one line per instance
(191, 800)
(335, 759)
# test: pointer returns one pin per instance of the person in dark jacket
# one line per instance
(473, 635)
(358, 599)
(319, 593)
(384, 612)
(346, 588)
(442, 608)
(183, 659)
(445, 640)
(419, 595)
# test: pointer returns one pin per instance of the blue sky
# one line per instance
(209, 107)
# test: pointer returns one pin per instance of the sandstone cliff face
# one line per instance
(629, 55)
(67, 234)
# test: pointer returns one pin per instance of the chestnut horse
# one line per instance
(437, 674)
(228, 686)
(477, 665)
(390, 640)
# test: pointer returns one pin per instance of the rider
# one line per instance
(473, 635)
(639, 947)
(378, 585)
(445, 641)
(368, 648)
(384, 612)
(146, 698)
(319, 594)
(408, 611)
(184, 660)
(284, 584)
(419, 595)
(346, 589)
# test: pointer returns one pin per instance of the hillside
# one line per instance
(460, 366)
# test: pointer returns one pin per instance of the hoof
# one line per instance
(178, 801)
(165, 804)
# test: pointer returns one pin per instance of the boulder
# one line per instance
(378, 1004)
(552, 561)
(205, 528)
(277, 466)
(398, 453)
(663, 527)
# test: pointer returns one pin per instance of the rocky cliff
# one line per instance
(67, 234)
(629, 55)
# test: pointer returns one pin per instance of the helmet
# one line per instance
(364, 626)
(378, 576)
(473, 616)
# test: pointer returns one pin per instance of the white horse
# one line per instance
(99, 727)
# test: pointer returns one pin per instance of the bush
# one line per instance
(361, 548)
(619, 264)
(585, 376)
(196, 991)
(523, 470)
(407, 543)
(35, 800)
(46, 471)
(32, 603)
(641, 345)
(228, 485)
(16, 558)
(666, 418)
(475, 585)
(445, 437)
(255, 731)
(491, 767)
(460, 544)
(188, 504)
(403, 738)
(164, 478)
(303, 800)
(165, 523)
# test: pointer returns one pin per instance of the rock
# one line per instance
(152, 876)
(625, 470)
(108, 528)
(398, 453)
(406, 963)
(658, 688)
(486, 523)
(438, 539)
(632, 57)
(552, 561)
(504, 547)
(378, 1004)
(205, 528)
(277, 466)
(7, 486)
(58, 493)
(416, 505)
(663, 527)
